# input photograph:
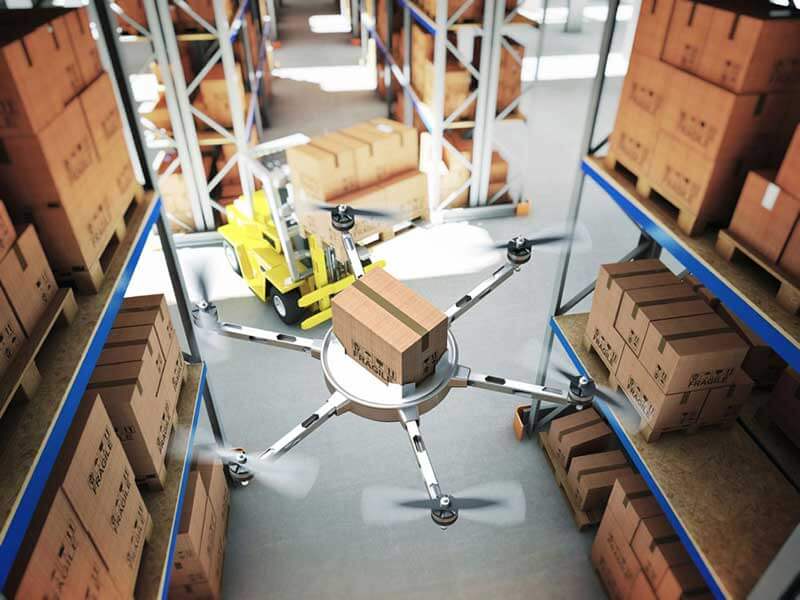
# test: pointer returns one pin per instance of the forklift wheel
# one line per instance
(233, 260)
(285, 306)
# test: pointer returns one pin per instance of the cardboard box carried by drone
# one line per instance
(390, 330)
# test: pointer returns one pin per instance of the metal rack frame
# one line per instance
(783, 574)
(160, 32)
(493, 28)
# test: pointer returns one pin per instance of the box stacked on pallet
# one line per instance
(712, 91)
(89, 530)
(139, 375)
(370, 165)
(678, 362)
(200, 547)
(637, 553)
(66, 166)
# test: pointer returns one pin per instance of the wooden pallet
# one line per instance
(583, 519)
(587, 345)
(87, 279)
(22, 377)
(732, 249)
(688, 222)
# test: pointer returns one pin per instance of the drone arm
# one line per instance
(335, 405)
(352, 255)
(518, 388)
(423, 460)
(480, 291)
(270, 338)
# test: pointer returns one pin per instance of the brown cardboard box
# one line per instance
(205, 9)
(97, 479)
(157, 112)
(394, 148)
(614, 560)
(591, 477)
(324, 169)
(692, 353)
(657, 548)
(652, 26)
(602, 336)
(790, 259)
(364, 166)
(192, 561)
(596, 437)
(64, 562)
(135, 10)
(12, 337)
(788, 177)
(214, 96)
(765, 215)
(27, 279)
(83, 45)
(762, 364)
(390, 330)
(38, 72)
(8, 234)
(661, 412)
(212, 474)
(784, 405)
(406, 195)
(577, 420)
(724, 404)
(641, 104)
(614, 279)
(641, 589)
(169, 388)
(747, 48)
(150, 309)
(630, 502)
(683, 581)
(641, 306)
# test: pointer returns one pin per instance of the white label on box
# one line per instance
(384, 128)
(770, 196)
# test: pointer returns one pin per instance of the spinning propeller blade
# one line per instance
(360, 212)
(500, 503)
(553, 237)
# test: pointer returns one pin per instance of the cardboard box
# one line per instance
(12, 337)
(8, 234)
(641, 105)
(27, 279)
(135, 10)
(614, 560)
(790, 259)
(569, 423)
(169, 388)
(747, 48)
(591, 477)
(765, 215)
(394, 333)
(212, 473)
(405, 195)
(630, 502)
(724, 404)
(641, 589)
(762, 364)
(83, 45)
(602, 336)
(784, 405)
(657, 548)
(394, 148)
(38, 72)
(788, 177)
(97, 479)
(683, 581)
(64, 562)
(214, 99)
(614, 279)
(651, 28)
(324, 168)
(692, 353)
(150, 309)
(192, 560)
(639, 307)
(596, 437)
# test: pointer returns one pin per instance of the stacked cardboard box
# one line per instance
(139, 375)
(691, 133)
(784, 405)
(213, 99)
(200, 546)
(66, 164)
(369, 165)
(89, 530)
(510, 81)
(637, 553)
(581, 433)
(677, 361)
(174, 191)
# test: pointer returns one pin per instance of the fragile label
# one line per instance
(373, 363)
(121, 501)
(95, 478)
(770, 196)
(66, 556)
(604, 348)
(640, 400)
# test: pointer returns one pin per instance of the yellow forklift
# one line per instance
(296, 275)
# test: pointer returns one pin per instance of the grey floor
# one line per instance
(319, 547)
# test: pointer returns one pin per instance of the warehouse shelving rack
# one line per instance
(494, 27)
(159, 32)
(32, 432)
(749, 547)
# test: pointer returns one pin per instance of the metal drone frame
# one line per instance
(356, 390)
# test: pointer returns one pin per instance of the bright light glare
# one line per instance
(328, 24)
(341, 78)
(572, 66)
(557, 15)
(438, 251)
(144, 87)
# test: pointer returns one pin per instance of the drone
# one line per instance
(357, 391)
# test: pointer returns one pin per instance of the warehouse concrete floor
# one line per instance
(319, 547)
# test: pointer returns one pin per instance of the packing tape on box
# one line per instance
(393, 310)
(770, 196)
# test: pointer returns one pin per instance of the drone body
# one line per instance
(354, 389)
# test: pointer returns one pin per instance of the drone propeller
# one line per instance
(551, 238)
(358, 212)
(292, 475)
(500, 503)
(205, 312)
(612, 397)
